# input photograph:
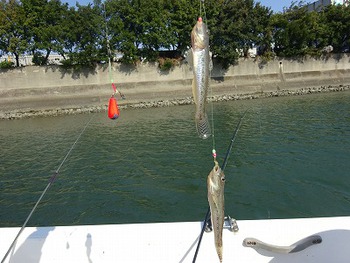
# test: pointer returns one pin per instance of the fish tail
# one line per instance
(219, 252)
(203, 126)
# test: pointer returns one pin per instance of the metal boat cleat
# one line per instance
(231, 223)
(208, 226)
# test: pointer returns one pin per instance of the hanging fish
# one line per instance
(216, 184)
(200, 61)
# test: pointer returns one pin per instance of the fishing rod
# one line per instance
(52, 179)
(224, 164)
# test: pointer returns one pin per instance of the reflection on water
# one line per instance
(291, 159)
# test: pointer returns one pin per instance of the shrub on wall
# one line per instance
(165, 64)
(6, 64)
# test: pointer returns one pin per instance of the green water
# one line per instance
(291, 158)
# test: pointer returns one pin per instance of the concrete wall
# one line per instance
(286, 74)
(147, 82)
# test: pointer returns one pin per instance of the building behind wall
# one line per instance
(27, 60)
(318, 5)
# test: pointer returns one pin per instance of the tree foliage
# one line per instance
(337, 29)
(139, 29)
(241, 24)
(14, 31)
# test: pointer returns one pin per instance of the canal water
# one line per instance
(291, 158)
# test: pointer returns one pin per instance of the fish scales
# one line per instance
(216, 184)
(201, 65)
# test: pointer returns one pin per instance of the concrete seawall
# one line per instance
(52, 87)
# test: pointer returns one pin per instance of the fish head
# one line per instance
(199, 35)
(216, 179)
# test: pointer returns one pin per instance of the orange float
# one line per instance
(113, 109)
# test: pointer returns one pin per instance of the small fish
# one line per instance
(216, 184)
(200, 61)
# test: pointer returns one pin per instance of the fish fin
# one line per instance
(210, 186)
(219, 252)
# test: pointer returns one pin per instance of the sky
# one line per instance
(276, 5)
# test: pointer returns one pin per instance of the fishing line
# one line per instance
(211, 101)
(202, 7)
(52, 179)
(108, 47)
(109, 52)
(224, 164)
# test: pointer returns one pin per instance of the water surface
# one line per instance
(291, 158)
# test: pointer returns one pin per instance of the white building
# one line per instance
(26, 60)
(318, 5)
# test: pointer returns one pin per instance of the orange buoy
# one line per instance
(113, 109)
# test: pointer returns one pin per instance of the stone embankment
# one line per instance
(18, 114)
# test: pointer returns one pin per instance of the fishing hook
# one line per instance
(222, 168)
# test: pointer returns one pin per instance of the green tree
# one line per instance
(69, 37)
(145, 27)
(14, 35)
(182, 16)
(153, 27)
(127, 41)
(84, 39)
(140, 29)
(240, 25)
(336, 22)
(263, 29)
(44, 20)
(291, 32)
(223, 45)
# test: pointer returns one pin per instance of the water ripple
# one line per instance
(291, 158)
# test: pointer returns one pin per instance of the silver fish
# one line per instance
(216, 184)
(201, 64)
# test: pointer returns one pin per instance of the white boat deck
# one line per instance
(176, 242)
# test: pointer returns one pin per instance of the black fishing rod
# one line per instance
(52, 179)
(223, 166)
